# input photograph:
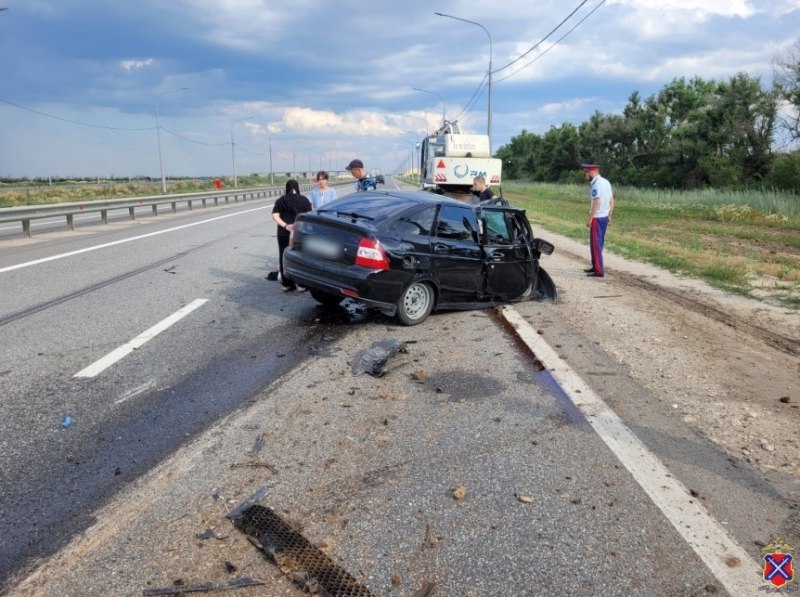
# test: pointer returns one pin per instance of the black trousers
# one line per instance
(283, 242)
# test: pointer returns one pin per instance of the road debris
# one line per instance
(303, 563)
(205, 587)
(373, 359)
(254, 464)
(525, 499)
(459, 493)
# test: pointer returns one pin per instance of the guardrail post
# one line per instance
(216, 201)
(155, 209)
(131, 215)
(189, 204)
(104, 215)
(70, 223)
(174, 208)
(227, 200)
(204, 201)
(26, 228)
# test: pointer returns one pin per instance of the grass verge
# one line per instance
(752, 250)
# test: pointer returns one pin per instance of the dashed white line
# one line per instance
(115, 355)
(726, 559)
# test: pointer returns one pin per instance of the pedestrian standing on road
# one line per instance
(285, 212)
(601, 207)
(357, 171)
(323, 193)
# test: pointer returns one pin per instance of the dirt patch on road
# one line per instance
(730, 366)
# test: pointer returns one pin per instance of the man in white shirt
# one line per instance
(601, 207)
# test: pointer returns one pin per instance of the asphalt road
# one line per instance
(69, 443)
(366, 466)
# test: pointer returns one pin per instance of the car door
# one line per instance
(456, 257)
(506, 253)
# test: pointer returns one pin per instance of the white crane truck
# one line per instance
(450, 160)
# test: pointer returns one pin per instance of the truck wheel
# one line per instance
(415, 304)
(325, 298)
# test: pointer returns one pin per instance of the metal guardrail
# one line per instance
(25, 214)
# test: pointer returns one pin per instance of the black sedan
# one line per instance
(408, 253)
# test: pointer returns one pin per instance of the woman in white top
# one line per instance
(323, 194)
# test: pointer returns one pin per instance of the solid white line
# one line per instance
(124, 350)
(125, 240)
(726, 559)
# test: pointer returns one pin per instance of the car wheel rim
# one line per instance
(415, 301)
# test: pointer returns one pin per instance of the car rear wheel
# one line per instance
(325, 298)
(415, 304)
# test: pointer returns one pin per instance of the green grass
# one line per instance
(64, 193)
(739, 242)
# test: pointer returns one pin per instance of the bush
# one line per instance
(785, 173)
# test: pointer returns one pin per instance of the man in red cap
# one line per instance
(601, 207)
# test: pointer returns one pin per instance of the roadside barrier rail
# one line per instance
(26, 213)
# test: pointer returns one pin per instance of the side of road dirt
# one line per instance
(725, 384)
(730, 365)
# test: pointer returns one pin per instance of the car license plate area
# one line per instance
(322, 247)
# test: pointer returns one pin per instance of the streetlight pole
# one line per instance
(271, 171)
(309, 159)
(437, 95)
(233, 149)
(49, 160)
(294, 156)
(489, 85)
(423, 120)
(158, 136)
(411, 155)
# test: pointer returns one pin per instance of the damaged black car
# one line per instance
(408, 253)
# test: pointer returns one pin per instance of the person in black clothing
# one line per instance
(284, 213)
(357, 171)
(481, 189)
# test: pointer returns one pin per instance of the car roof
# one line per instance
(379, 206)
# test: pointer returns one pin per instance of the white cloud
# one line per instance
(693, 10)
(136, 64)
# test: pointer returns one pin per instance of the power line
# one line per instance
(179, 136)
(555, 43)
(474, 99)
(541, 41)
(96, 126)
(479, 91)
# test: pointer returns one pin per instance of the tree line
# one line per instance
(692, 134)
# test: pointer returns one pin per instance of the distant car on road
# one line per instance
(380, 179)
(408, 253)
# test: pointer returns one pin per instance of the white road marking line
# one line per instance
(135, 391)
(124, 350)
(125, 240)
(726, 559)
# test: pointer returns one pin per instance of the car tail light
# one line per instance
(370, 254)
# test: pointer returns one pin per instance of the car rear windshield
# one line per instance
(377, 208)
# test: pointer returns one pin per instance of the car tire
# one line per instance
(325, 298)
(415, 304)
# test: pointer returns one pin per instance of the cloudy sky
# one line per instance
(323, 81)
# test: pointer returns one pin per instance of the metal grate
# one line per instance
(303, 563)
